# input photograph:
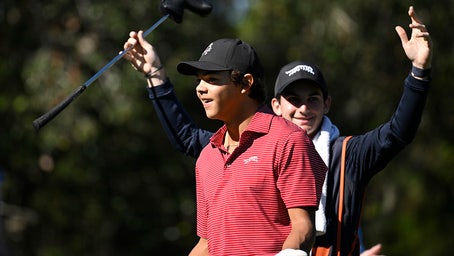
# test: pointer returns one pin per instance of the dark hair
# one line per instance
(257, 92)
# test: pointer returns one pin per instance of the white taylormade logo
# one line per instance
(208, 49)
(251, 159)
(298, 68)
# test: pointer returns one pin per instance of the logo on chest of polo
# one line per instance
(247, 161)
(251, 159)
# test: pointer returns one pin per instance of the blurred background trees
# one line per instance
(102, 179)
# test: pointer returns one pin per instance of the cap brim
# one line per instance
(191, 67)
(289, 82)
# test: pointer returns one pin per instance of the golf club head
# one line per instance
(199, 7)
(175, 8)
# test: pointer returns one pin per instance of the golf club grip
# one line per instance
(44, 119)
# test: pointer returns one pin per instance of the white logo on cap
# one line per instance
(208, 49)
(298, 68)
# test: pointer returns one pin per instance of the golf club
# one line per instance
(170, 8)
(44, 119)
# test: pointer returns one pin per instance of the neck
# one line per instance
(242, 119)
(238, 124)
(233, 133)
(229, 143)
(235, 129)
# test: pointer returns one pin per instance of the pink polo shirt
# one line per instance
(242, 198)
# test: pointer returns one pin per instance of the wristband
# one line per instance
(420, 73)
(150, 74)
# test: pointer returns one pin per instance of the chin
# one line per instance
(305, 127)
(210, 115)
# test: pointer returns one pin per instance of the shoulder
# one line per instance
(265, 122)
(288, 133)
(285, 124)
(268, 123)
(336, 145)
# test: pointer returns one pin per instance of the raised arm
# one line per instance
(183, 133)
(418, 49)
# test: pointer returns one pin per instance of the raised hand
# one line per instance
(142, 56)
(418, 47)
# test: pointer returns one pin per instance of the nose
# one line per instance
(201, 88)
(303, 107)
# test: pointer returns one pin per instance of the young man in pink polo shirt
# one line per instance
(259, 179)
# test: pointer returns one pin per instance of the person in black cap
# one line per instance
(259, 178)
(301, 95)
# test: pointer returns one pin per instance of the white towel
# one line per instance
(322, 140)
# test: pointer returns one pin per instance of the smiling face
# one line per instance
(220, 97)
(302, 103)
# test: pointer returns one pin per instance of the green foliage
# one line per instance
(102, 179)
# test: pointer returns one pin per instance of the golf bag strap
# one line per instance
(341, 195)
(325, 251)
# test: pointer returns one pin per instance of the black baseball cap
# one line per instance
(299, 70)
(225, 54)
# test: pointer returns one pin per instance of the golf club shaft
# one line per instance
(121, 54)
(44, 119)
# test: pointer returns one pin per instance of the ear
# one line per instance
(248, 81)
(327, 105)
(276, 105)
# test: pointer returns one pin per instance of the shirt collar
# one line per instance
(260, 123)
